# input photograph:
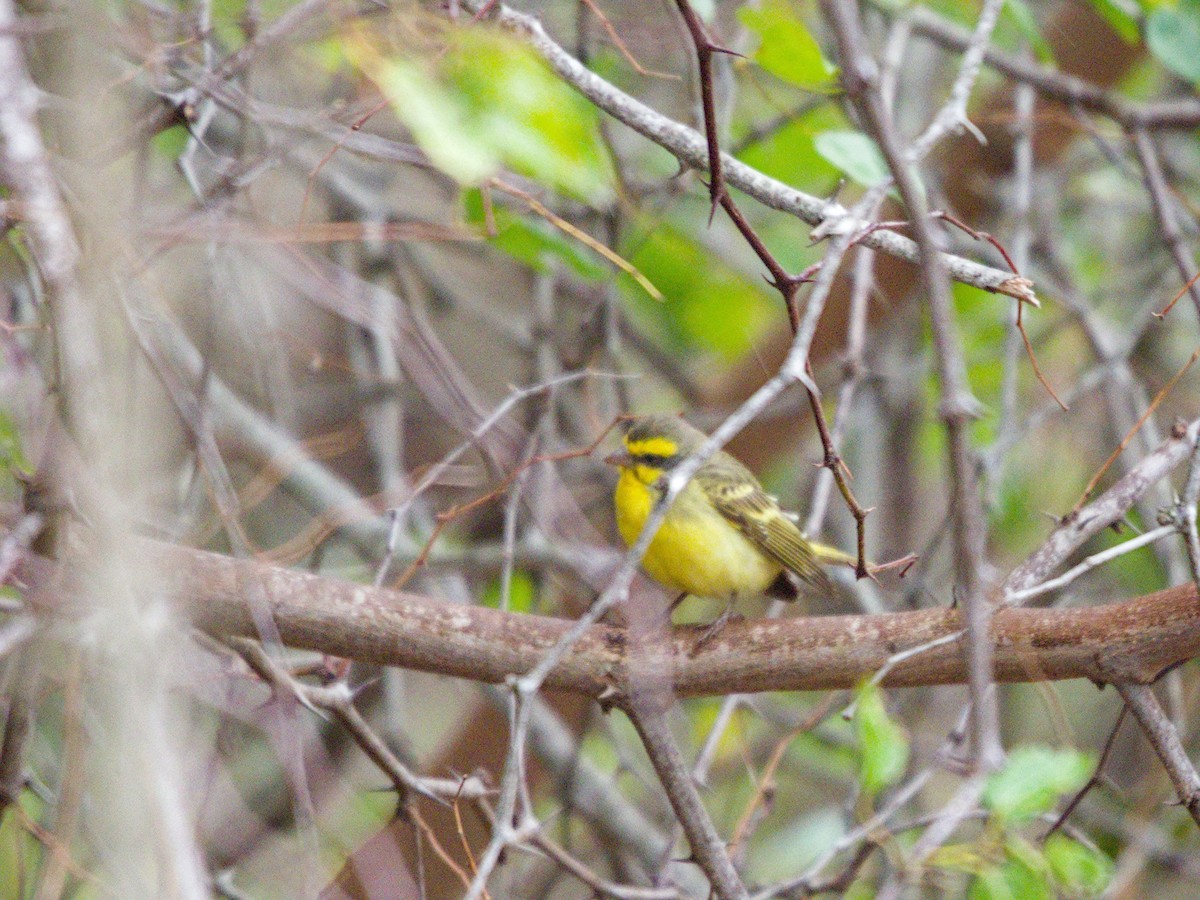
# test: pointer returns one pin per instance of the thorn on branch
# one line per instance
(484, 11)
(717, 48)
(705, 47)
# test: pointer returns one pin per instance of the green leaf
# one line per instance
(1078, 869)
(171, 142)
(1120, 18)
(439, 121)
(790, 155)
(786, 47)
(522, 593)
(1019, 14)
(12, 456)
(532, 240)
(883, 743)
(709, 305)
(1024, 875)
(20, 852)
(226, 20)
(328, 53)
(1032, 781)
(798, 841)
(960, 858)
(487, 101)
(1010, 881)
(1022, 852)
(855, 154)
(536, 123)
(1173, 35)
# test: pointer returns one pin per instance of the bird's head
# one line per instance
(653, 445)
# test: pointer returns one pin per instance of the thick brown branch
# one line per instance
(1131, 641)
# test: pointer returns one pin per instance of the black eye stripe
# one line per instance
(656, 460)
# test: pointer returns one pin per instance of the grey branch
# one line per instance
(687, 145)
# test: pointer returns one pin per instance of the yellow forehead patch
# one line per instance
(653, 446)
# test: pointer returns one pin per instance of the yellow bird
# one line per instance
(724, 537)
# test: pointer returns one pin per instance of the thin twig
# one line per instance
(445, 518)
(1187, 512)
(952, 115)
(689, 147)
(1093, 561)
(808, 882)
(1074, 530)
(1162, 313)
(338, 700)
(1164, 211)
(708, 848)
(1181, 113)
(1095, 780)
(859, 75)
(1165, 740)
(897, 658)
(1158, 398)
(786, 284)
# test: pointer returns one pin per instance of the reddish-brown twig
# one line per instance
(446, 517)
(1158, 398)
(1000, 248)
(705, 48)
(984, 236)
(1096, 779)
(466, 845)
(620, 45)
(355, 126)
(839, 470)
(1037, 370)
(766, 783)
(781, 280)
(1183, 290)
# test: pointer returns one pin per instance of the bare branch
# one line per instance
(1181, 113)
(958, 407)
(1165, 739)
(708, 848)
(1108, 508)
(689, 147)
(1134, 640)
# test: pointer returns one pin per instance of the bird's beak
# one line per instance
(620, 458)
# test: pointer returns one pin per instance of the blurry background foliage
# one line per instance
(479, 105)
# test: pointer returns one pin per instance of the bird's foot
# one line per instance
(666, 619)
(715, 628)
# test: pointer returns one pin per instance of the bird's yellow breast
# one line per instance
(696, 551)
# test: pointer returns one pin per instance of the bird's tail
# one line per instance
(831, 555)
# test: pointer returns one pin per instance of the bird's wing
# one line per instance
(759, 518)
